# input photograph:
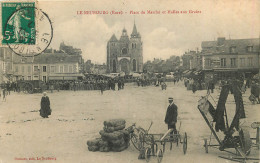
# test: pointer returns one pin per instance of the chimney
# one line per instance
(220, 41)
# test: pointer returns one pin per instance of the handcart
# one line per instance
(148, 144)
(242, 142)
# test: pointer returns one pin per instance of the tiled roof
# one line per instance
(49, 58)
(223, 46)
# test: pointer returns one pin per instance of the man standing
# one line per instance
(171, 116)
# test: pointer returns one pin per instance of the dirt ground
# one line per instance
(78, 116)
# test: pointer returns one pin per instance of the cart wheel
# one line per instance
(147, 154)
(28, 88)
(135, 141)
(245, 140)
(136, 138)
(206, 146)
(185, 143)
(159, 155)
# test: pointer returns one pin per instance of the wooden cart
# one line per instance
(148, 144)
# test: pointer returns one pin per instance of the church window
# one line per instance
(124, 51)
(134, 65)
(114, 66)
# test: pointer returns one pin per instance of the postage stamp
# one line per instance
(18, 23)
(26, 29)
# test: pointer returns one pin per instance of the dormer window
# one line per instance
(249, 48)
(232, 49)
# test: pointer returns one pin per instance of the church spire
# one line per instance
(134, 32)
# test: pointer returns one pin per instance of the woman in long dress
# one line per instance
(45, 106)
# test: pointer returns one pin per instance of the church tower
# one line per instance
(125, 55)
(136, 49)
(112, 54)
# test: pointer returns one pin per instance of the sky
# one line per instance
(163, 35)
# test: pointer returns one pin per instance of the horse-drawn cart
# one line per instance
(30, 86)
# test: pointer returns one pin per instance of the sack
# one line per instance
(104, 149)
(119, 142)
(114, 122)
(112, 129)
(94, 142)
(103, 143)
(119, 149)
(93, 148)
(111, 136)
(126, 135)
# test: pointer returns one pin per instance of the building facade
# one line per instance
(47, 66)
(6, 63)
(126, 54)
(224, 59)
(50, 65)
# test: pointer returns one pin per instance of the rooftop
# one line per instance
(221, 45)
(48, 58)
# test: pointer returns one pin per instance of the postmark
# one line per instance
(28, 30)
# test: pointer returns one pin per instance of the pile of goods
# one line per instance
(114, 137)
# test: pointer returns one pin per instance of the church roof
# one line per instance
(134, 32)
(124, 36)
(124, 39)
(113, 38)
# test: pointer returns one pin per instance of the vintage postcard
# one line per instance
(129, 81)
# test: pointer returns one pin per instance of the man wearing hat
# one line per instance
(171, 116)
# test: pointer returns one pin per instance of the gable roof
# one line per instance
(49, 58)
(113, 38)
(225, 45)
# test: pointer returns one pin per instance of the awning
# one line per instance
(137, 75)
(55, 78)
(64, 76)
(186, 71)
(197, 72)
(70, 78)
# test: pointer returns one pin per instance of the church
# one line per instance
(126, 54)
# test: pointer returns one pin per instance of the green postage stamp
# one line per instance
(18, 22)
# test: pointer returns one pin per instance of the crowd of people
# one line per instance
(87, 84)
(243, 84)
